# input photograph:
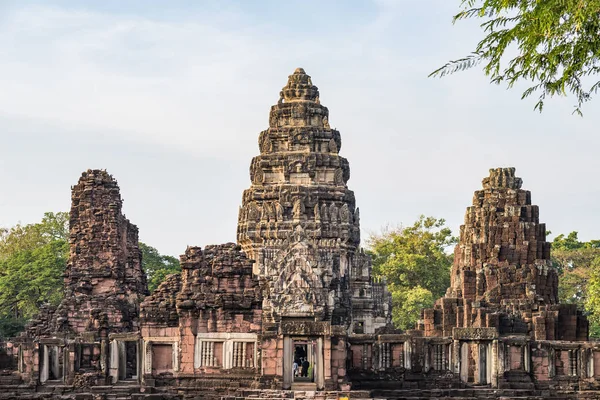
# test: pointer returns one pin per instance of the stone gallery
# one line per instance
(293, 305)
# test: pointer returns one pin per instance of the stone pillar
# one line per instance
(327, 355)
(526, 357)
(455, 365)
(590, 363)
(319, 373)
(427, 355)
(287, 362)
(408, 354)
(501, 359)
(45, 360)
(175, 356)
(494, 361)
(481, 363)
(114, 361)
(551, 363)
(464, 361)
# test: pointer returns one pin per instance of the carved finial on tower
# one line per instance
(502, 178)
(299, 87)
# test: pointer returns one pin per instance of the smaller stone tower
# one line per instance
(502, 276)
(104, 285)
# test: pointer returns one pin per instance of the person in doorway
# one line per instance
(305, 365)
(295, 368)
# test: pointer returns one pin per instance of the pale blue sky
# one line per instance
(170, 97)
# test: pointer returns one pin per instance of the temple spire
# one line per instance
(299, 88)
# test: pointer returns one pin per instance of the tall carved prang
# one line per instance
(300, 223)
(502, 276)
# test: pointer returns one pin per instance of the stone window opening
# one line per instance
(129, 354)
(162, 358)
(397, 351)
(359, 327)
(209, 354)
(438, 357)
(85, 356)
(242, 355)
(386, 355)
(367, 356)
(161, 355)
(226, 350)
(573, 362)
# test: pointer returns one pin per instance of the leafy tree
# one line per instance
(157, 266)
(408, 303)
(32, 262)
(574, 261)
(552, 44)
(592, 304)
(415, 264)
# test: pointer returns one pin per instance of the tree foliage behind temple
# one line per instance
(416, 265)
(157, 266)
(32, 262)
(33, 259)
(578, 264)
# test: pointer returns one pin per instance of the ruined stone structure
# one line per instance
(104, 284)
(502, 275)
(297, 289)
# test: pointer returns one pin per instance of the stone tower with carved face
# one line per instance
(300, 223)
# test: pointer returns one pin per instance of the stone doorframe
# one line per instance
(116, 361)
(50, 353)
(486, 340)
(288, 360)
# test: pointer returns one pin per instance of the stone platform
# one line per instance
(135, 392)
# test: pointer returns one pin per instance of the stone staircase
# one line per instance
(135, 392)
(516, 380)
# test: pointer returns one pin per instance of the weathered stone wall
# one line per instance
(216, 299)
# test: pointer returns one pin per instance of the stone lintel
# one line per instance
(314, 328)
(52, 341)
(128, 336)
(474, 333)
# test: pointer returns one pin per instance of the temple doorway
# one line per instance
(128, 368)
(124, 359)
(303, 363)
(304, 360)
(51, 366)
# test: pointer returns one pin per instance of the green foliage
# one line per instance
(415, 264)
(32, 262)
(574, 261)
(592, 304)
(556, 45)
(157, 266)
(408, 303)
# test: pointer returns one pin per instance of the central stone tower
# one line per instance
(300, 224)
(299, 220)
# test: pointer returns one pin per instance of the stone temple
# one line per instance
(291, 310)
